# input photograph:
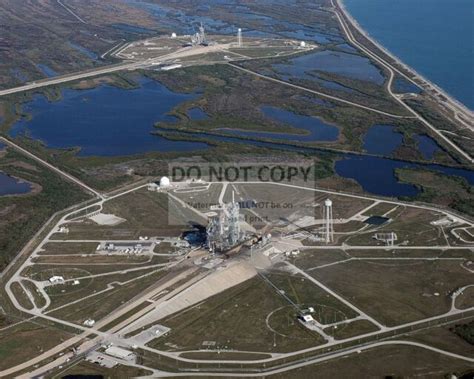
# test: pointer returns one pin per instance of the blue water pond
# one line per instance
(105, 121)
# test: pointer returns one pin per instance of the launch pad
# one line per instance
(203, 48)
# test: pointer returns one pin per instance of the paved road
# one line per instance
(337, 296)
(181, 53)
(330, 356)
(391, 71)
(51, 167)
(71, 12)
(70, 78)
(54, 351)
(322, 94)
(452, 104)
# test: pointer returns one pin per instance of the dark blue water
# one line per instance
(303, 33)
(88, 53)
(427, 145)
(318, 129)
(48, 71)
(435, 37)
(350, 65)
(401, 85)
(12, 186)
(382, 140)
(197, 114)
(375, 175)
(105, 121)
(376, 220)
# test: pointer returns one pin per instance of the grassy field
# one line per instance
(64, 294)
(380, 209)
(451, 191)
(296, 203)
(445, 338)
(396, 292)
(146, 214)
(39, 299)
(44, 272)
(224, 355)
(305, 294)
(235, 319)
(318, 257)
(466, 300)
(89, 369)
(63, 248)
(21, 216)
(410, 253)
(27, 340)
(351, 329)
(384, 362)
(21, 296)
(411, 225)
(103, 305)
(94, 260)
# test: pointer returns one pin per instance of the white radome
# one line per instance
(164, 182)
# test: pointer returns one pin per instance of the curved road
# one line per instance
(350, 37)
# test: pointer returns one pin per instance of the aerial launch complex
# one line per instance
(224, 231)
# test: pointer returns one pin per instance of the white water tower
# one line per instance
(239, 37)
(328, 232)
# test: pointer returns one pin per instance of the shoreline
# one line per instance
(425, 83)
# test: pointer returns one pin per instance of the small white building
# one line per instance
(164, 182)
(121, 353)
(56, 280)
(153, 187)
(89, 322)
(307, 318)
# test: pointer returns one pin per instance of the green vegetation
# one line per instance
(84, 368)
(21, 296)
(466, 332)
(235, 319)
(305, 294)
(384, 362)
(98, 307)
(396, 293)
(351, 329)
(412, 225)
(451, 191)
(38, 298)
(22, 216)
(27, 340)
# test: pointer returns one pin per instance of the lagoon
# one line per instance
(105, 121)
(12, 186)
(435, 37)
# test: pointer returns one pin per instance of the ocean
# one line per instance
(435, 37)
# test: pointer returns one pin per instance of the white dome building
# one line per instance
(164, 182)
